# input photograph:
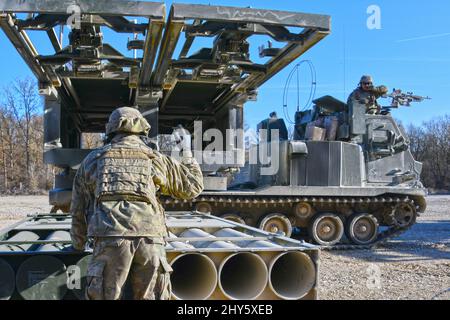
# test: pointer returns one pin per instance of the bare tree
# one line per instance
(438, 149)
(91, 140)
(8, 141)
(22, 101)
(417, 141)
(430, 144)
(3, 149)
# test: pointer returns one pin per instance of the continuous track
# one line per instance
(235, 202)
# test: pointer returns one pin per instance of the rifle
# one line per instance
(400, 98)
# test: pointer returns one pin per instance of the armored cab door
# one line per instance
(385, 146)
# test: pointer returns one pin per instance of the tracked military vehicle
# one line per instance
(344, 175)
(86, 78)
(363, 179)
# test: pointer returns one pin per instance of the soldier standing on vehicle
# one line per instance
(367, 94)
(114, 202)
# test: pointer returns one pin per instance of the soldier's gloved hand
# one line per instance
(187, 154)
(187, 157)
(383, 89)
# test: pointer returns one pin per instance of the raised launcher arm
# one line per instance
(83, 81)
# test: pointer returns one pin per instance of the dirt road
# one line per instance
(415, 265)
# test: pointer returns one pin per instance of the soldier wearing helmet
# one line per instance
(114, 202)
(367, 94)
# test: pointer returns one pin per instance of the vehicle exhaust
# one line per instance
(194, 277)
(243, 276)
(291, 275)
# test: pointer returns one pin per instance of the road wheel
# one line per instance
(233, 217)
(326, 229)
(362, 228)
(276, 223)
(303, 210)
(203, 207)
(404, 215)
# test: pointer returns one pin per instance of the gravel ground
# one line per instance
(415, 265)
(14, 208)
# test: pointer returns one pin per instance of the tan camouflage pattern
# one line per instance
(128, 120)
(91, 218)
(125, 174)
(114, 201)
(368, 98)
(115, 259)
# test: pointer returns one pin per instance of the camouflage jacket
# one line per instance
(368, 98)
(115, 190)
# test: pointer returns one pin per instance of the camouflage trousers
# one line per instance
(139, 259)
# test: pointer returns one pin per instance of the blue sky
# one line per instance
(411, 51)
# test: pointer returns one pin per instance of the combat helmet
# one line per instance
(127, 120)
(366, 78)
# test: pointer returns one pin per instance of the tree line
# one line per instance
(22, 137)
(21, 140)
(430, 144)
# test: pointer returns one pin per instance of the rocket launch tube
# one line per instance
(21, 236)
(194, 276)
(291, 275)
(55, 236)
(42, 277)
(7, 280)
(229, 232)
(243, 276)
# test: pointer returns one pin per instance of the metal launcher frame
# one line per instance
(87, 79)
(212, 258)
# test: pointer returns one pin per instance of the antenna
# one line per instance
(345, 60)
(312, 92)
(298, 90)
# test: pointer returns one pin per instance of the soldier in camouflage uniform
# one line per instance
(367, 94)
(114, 202)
